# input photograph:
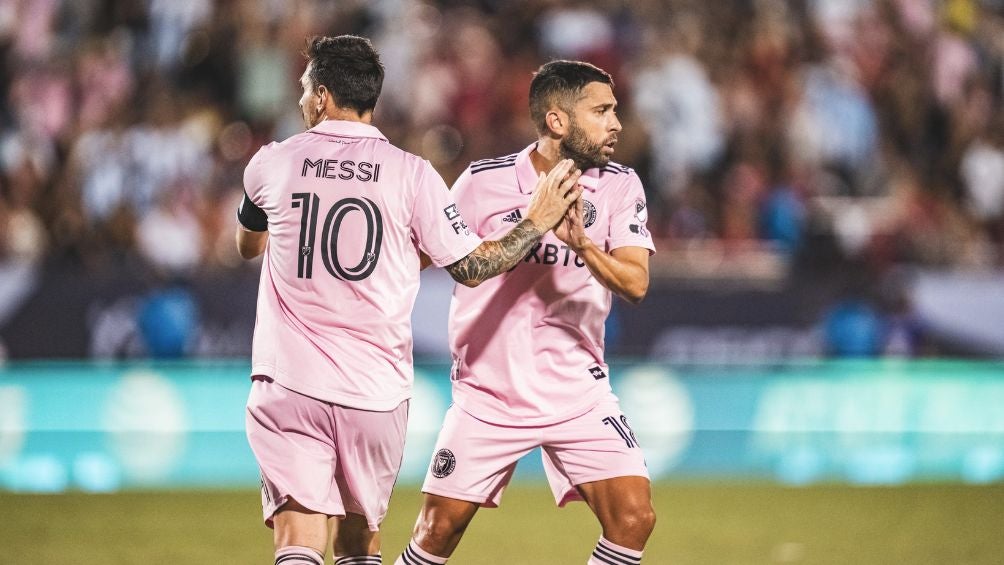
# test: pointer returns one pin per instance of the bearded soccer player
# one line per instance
(343, 218)
(528, 368)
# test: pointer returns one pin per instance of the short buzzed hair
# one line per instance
(349, 67)
(560, 83)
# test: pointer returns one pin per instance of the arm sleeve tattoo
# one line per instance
(494, 257)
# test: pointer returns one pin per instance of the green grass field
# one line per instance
(728, 524)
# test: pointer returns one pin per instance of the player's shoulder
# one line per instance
(256, 162)
(396, 152)
(273, 149)
(290, 142)
(618, 177)
(493, 164)
(268, 148)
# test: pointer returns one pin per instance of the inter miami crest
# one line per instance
(588, 213)
(443, 463)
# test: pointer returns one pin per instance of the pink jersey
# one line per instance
(528, 345)
(347, 215)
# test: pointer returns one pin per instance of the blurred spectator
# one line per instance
(853, 328)
(983, 177)
(679, 108)
(578, 32)
(834, 124)
(168, 323)
(171, 22)
(782, 219)
(170, 238)
(265, 74)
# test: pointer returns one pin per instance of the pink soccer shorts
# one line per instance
(331, 459)
(475, 460)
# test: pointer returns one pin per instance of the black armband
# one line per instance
(251, 216)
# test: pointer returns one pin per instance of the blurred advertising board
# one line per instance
(102, 427)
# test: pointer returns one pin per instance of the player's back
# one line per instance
(341, 266)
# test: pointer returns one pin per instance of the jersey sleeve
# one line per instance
(628, 225)
(437, 224)
(254, 178)
(249, 213)
(463, 195)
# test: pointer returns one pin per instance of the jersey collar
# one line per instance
(526, 175)
(345, 128)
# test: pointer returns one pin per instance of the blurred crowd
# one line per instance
(835, 132)
(125, 124)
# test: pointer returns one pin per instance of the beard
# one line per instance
(577, 147)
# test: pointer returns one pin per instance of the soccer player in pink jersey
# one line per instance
(344, 219)
(528, 368)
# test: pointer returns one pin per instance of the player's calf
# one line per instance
(354, 542)
(441, 523)
(438, 533)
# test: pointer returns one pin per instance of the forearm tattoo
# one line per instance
(494, 257)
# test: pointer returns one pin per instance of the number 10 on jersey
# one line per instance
(309, 204)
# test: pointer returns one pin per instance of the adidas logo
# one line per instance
(513, 217)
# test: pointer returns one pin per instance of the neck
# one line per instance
(347, 115)
(546, 155)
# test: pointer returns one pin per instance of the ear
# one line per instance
(557, 121)
(322, 97)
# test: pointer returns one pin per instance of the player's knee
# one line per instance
(641, 519)
(646, 519)
(635, 521)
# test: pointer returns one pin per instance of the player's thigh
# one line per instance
(370, 447)
(474, 460)
(292, 439)
(596, 446)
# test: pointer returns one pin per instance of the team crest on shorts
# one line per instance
(588, 213)
(443, 463)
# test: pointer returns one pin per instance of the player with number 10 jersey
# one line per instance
(345, 206)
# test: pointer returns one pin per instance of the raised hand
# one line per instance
(554, 193)
(571, 230)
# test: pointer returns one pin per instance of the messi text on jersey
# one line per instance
(344, 170)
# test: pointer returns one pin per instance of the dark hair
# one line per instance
(559, 83)
(349, 67)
